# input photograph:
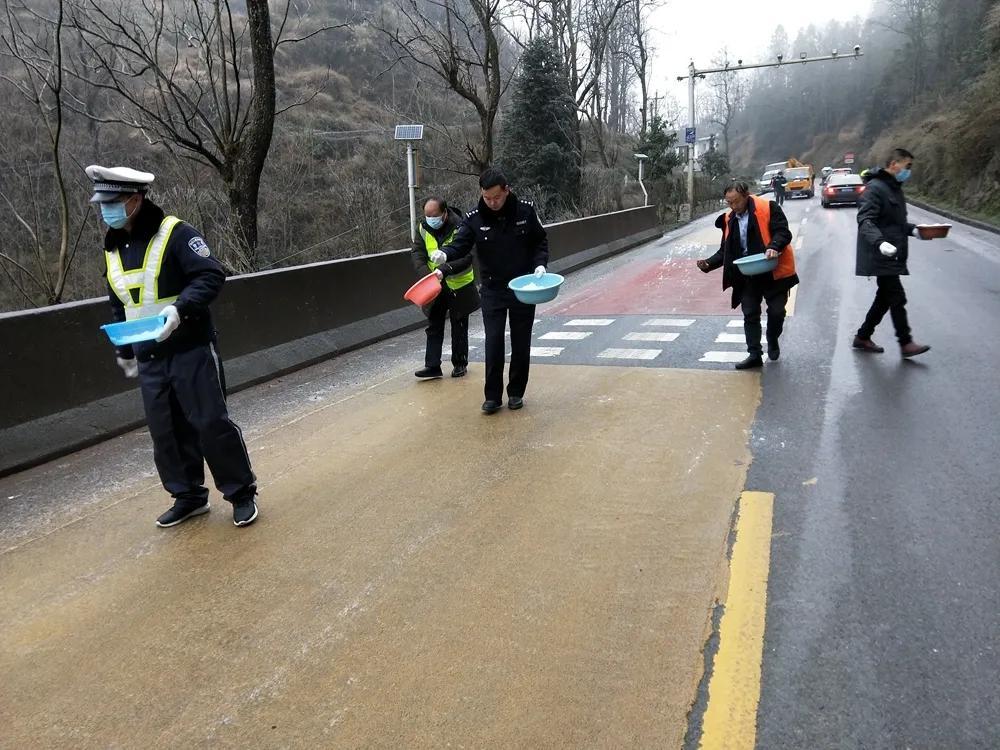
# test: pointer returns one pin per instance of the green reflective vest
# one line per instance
(145, 279)
(431, 244)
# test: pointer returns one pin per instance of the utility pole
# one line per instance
(690, 135)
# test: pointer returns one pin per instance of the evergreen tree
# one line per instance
(659, 145)
(539, 130)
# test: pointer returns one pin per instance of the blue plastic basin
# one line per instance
(754, 265)
(134, 331)
(532, 291)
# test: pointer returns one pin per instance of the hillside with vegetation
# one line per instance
(929, 81)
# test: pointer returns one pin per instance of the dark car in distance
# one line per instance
(842, 189)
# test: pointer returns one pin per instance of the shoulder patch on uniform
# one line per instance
(199, 247)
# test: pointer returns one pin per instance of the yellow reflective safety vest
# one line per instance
(431, 244)
(145, 279)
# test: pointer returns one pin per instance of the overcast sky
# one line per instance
(695, 28)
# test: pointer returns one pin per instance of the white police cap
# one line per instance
(111, 182)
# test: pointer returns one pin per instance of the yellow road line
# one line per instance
(730, 719)
(790, 305)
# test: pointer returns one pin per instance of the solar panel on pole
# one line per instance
(409, 133)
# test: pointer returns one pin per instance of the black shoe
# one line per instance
(429, 373)
(773, 351)
(245, 511)
(491, 407)
(515, 402)
(754, 360)
(181, 512)
(459, 371)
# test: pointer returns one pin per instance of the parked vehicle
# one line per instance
(842, 189)
(801, 181)
(764, 183)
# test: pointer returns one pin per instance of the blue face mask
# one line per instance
(114, 214)
(903, 175)
(434, 222)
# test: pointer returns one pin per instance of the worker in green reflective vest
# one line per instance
(459, 296)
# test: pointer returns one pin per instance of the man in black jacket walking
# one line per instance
(882, 250)
(160, 265)
(752, 226)
(510, 242)
(458, 296)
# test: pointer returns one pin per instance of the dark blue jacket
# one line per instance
(509, 243)
(188, 271)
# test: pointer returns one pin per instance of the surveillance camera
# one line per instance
(857, 48)
(834, 53)
(739, 62)
(780, 57)
(802, 55)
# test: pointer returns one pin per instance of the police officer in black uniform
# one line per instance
(159, 265)
(510, 242)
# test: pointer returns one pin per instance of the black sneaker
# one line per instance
(515, 402)
(429, 373)
(245, 512)
(491, 407)
(181, 512)
(773, 351)
(459, 371)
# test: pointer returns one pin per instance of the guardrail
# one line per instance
(60, 389)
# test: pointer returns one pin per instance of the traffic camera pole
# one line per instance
(694, 73)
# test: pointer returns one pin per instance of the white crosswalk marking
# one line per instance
(630, 353)
(591, 322)
(652, 336)
(565, 335)
(734, 324)
(683, 322)
(546, 351)
(723, 357)
(733, 338)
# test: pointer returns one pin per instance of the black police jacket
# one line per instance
(509, 243)
(188, 271)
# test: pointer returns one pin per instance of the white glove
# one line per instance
(129, 366)
(173, 320)
(887, 249)
(539, 272)
(438, 257)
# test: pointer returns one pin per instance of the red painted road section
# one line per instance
(654, 287)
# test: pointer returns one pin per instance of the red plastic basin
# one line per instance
(424, 291)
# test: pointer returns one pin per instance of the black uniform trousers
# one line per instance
(184, 397)
(890, 297)
(439, 312)
(779, 195)
(758, 289)
(497, 305)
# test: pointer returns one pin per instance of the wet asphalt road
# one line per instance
(883, 619)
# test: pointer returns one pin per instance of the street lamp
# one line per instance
(411, 133)
(645, 196)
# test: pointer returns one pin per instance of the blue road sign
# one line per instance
(689, 136)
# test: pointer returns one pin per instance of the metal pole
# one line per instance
(411, 173)
(645, 195)
(691, 120)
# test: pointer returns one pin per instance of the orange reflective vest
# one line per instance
(762, 212)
